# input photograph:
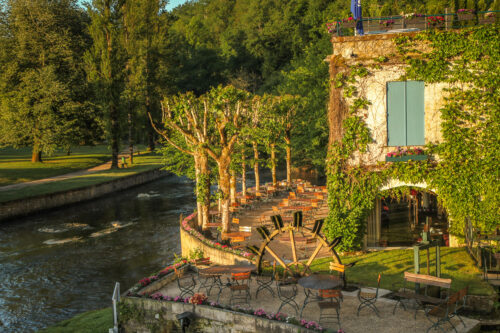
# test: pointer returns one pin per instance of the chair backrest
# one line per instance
(427, 280)
(245, 228)
(236, 220)
(240, 276)
(237, 239)
(337, 267)
(202, 262)
(291, 195)
(330, 293)
(378, 282)
(243, 201)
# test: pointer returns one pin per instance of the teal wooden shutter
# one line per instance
(415, 123)
(396, 115)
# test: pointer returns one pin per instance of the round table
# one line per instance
(316, 282)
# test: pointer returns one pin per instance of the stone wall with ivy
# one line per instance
(461, 67)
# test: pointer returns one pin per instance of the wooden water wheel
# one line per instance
(295, 267)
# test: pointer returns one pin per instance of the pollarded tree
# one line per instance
(105, 63)
(186, 128)
(42, 89)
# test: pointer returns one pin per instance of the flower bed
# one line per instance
(216, 245)
(201, 299)
(155, 277)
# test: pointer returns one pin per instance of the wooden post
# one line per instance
(438, 261)
(416, 264)
(446, 19)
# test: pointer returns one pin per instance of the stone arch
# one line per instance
(374, 233)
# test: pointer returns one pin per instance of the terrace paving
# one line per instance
(401, 321)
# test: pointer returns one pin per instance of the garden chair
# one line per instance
(240, 287)
(287, 291)
(368, 298)
(332, 300)
(265, 282)
(186, 283)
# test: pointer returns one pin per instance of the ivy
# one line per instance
(466, 177)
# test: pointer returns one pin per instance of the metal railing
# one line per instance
(484, 249)
(398, 23)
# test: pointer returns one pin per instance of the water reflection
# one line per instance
(58, 264)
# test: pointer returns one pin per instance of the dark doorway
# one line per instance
(403, 219)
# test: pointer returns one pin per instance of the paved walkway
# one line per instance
(101, 167)
(367, 321)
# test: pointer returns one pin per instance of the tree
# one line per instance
(43, 91)
(186, 122)
(106, 63)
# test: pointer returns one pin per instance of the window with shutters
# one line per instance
(405, 113)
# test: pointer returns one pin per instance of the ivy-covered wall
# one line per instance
(460, 69)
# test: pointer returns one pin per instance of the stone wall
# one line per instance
(148, 315)
(190, 243)
(23, 207)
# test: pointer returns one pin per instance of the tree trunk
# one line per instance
(36, 154)
(115, 135)
(256, 166)
(288, 158)
(243, 175)
(273, 163)
(202, 189)
(130, 137)
(337, 108)
(232, 183)
(224, 187)
(151, 139)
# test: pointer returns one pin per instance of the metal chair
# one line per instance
(265, 282)
(368, 299)
(240, 282)
(185, 283)
(287, 291)
(333, 299)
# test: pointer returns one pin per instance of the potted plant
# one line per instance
(435, 21)
(386, 24)
(404, 155)
(332, 27)
(488, 18)
(414, 20)
(466, 14)
(349, 22)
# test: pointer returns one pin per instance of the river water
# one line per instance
(58, 264)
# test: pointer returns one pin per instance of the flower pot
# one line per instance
(406, 158)
(417, 22)
(466, 16)
(487, 19)
(348, 24)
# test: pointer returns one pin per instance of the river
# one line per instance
(58, 264)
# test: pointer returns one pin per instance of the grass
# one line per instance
(16, 165)
(88, 322)
(455, 264)
(142, 163)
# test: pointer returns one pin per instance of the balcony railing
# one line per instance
(416, 22)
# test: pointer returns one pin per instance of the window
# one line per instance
(405, 113)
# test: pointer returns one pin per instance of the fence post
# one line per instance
(115, 299)
(446, 19)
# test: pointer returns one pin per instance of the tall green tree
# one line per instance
(105, 63)
(43, 91)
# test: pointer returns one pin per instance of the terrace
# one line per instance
(413, 22)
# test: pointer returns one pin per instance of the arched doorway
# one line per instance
(400, 216)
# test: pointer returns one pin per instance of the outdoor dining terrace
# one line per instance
(231, 298)
(413, 22)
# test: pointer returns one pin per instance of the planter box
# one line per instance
(406, 158)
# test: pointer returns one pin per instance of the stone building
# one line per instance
(402, 114)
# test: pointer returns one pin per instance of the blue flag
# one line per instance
(357, 15)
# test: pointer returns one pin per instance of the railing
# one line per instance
(484, 249)
(415, 22)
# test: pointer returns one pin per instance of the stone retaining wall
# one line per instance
(190, 243)
(23, 207)
(148, 315)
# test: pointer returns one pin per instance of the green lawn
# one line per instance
(142, 163)
(98, 321)
(16, 166)
(455, 264)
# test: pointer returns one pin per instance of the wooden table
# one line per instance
(316, 282)
(228, 269)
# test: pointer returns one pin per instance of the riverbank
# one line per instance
(27, 200)
(87, 322)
